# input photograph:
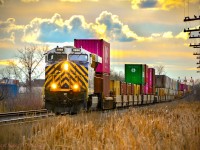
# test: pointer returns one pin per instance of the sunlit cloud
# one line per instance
(159, 4)
(1, 2)
(76, 1)
(182, 35)
(150, 54)
(70, 0)
(7, 62)
(168, 34)
(192, 69)
(171, 4)
(9, 30)
(55, 29)
(28, 1)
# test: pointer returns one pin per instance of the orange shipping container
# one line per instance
(102, 84)
(129, 89)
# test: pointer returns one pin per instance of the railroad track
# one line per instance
(21, 116)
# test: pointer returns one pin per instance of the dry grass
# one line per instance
(23, 102)
(165, 126)
(174, 125)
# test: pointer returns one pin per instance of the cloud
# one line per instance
(9, 30)
(172, 4)
(159, 4)
(75, 1)
(111, 27)
(70, 0)
(182, 35)
(6, 62)
(168, 34)
(55, 29)
(1, 2)
(28, 1)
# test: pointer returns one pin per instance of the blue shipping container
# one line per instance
(8, 90)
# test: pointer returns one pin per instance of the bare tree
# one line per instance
(10, 72)
(29, 60)
(114, 75)
(160, 70)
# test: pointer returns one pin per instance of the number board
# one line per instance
(76, 50)
(59, 49)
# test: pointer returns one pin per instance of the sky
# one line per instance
(139, 31)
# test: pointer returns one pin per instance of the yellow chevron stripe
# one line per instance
(85, 83)
(58, 75)
(65, 81)
(48, 81)
(47, 68)
(84, 69)
(53, 69)
(50, 78)
(83, 74)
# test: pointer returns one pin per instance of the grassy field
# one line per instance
(174, 125)
(22, 102)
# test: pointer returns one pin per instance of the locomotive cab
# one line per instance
(69, 78)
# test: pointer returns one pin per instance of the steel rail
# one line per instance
(21, 116)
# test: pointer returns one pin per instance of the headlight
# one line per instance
(65, 66)
(53, 86)
(75, 87)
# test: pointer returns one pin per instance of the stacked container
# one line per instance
(102, 49)
(130, 92)
(102, 84)
(135, 73)
(151, 80)
(99, 47)
(123, 92)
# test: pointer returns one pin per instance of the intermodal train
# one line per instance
(78, 78)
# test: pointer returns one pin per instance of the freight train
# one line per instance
(78, 78)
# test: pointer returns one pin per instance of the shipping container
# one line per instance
(102, 84)
(135, 73)
(129, 89)
(112, 93)
(117, 87)
(9, 81)
(181, 87)
(162, 81)
(99, 47)
(151, 81)
(136, 89)
(146, 86)
(9, 90)
(132, 89)
(174, 87)
(123, 88)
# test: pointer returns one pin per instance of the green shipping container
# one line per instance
(134, 73)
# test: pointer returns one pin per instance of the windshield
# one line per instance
(78, 57)
(57, 57)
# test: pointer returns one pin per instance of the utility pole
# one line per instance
(194, 33)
